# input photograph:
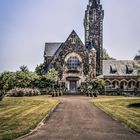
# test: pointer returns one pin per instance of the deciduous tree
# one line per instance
(24, 68)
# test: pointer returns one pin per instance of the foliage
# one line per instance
(93, 87)
(7, 82)
(24, 68)
(39, 69)
(10, 80)
(20, 92)
(24, 79)
(42, 82)
(18, 116)
(98, 84)
(106, 55)
(46, 80)
(52, 75)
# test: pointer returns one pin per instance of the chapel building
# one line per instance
(77, 62)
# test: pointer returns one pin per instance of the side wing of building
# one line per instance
(121, 75)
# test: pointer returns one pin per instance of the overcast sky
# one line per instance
(25, 26)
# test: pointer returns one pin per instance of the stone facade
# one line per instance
(93, 24)
(73, 62)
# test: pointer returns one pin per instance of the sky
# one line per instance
(25, 26)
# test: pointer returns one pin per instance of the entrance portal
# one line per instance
(73, 86)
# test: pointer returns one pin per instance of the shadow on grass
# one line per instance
(134, 105)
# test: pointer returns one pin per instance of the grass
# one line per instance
(18, 116)
(124, 109)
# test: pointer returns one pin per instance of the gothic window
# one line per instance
(73, 63)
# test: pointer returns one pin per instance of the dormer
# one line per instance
(113, 69)
(129, 69)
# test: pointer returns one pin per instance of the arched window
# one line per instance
(123, 84)
(115, 84)
(73, 62)
(131, 84)
(107, 82)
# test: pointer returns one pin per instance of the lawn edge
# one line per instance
(43, 121)
(119, 121)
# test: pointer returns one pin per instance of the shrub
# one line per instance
(39, 70)
(96, 93)
(20, 92)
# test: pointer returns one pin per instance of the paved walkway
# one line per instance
(77, 119)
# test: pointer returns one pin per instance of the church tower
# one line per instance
(93, 24)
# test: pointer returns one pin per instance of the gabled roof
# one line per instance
(51, 48)
(121, 67)
(73, 35)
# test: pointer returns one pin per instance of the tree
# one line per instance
(24, 79)
(42, 82)
(5, 83)
(10, 80)
(106, 55)
(52, 75)
(47, 80)
(39, 69)
(98, 84)
(24, 68)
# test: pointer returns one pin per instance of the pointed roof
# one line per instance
(73, 36)
(72, 39)
(53, 48)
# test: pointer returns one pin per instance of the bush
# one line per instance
(96, 93)
(20, 92)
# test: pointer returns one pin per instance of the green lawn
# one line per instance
(19, 116)
(124, 109)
